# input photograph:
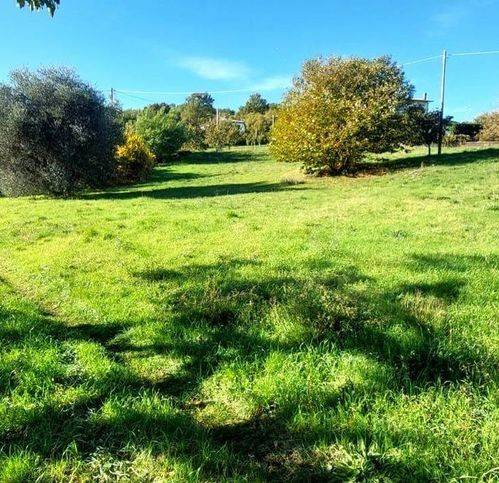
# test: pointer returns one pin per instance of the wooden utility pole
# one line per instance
(112, 96)
(442, 102)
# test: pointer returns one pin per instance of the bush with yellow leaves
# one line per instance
(134, 158)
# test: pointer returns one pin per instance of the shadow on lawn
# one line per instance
(188, 192)
(222, 157)
(214, 314)
(446, 159)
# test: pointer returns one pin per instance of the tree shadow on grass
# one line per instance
(455, 263)
(221, 157)
(446, 159)
(216, 314)
(190, 192)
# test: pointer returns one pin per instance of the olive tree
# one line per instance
(57, 134)
(338, 110)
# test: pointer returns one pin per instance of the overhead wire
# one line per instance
(133, 93)
(483, 52)
(420, 61)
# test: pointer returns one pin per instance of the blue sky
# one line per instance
(220, 45)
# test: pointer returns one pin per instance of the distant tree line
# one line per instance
(58, 135)
(198, 124)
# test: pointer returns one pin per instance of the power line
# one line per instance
(186, 93)
(132, 93)
(132, 96)
(420, 61)
(484, 52)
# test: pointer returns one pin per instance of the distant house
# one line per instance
(423, 102)
(241, 125)
(238, 122)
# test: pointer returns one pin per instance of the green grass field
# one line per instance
(235, 320)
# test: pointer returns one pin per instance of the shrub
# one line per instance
(134, 158)
(162, 130)
(490, 126)
(222, 134)
(339, 109)
(470, 129)
(454, 140)
(56, 134)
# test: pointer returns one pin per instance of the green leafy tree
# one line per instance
(222, 134)
(422, 127)
(195, 113)
(257, 128)
(51, 5)
(490, 126)
(158, 106)
(338, 110)
(226, 113)
(129, 116)
(57, 134)
(162, 131)
(255, 104)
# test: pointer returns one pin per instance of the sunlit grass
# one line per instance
(233, 319)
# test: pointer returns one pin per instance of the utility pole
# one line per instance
(112, 96)
(442, 102)
(218, 117)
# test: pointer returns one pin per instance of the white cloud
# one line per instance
(273, 83)
(452, 15)
(236, 71)
(215, 69)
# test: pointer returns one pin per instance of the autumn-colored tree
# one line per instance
(490, 126)
(337, 110)
(51, 5)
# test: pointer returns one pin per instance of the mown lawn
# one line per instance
(235, 320)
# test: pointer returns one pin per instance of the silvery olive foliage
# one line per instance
(338, 110)
(57, 135)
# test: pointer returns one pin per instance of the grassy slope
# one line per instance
(229, 321)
